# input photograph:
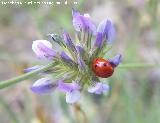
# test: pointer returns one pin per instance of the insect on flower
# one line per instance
(81, 60)
(102, 68)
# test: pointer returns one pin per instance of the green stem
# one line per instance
(137, 65)
(20, 78)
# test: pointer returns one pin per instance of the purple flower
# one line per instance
(67, 39)
(43, 86)
(107, 29)
(98, 88)
(75, 64)
(82, 22)
(32, 68)
(65, 57)
(71, 89)
(99, 40)
(115, 60)
(43, 49)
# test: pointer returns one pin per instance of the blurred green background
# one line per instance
(134, 96)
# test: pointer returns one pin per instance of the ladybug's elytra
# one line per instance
(102, 68)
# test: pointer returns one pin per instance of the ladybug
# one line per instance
(102, 68)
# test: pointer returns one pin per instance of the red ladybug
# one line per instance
(102, 68)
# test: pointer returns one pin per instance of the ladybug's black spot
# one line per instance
(104, 64)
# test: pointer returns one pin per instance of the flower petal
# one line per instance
(107, 29)
(65, 57)
(32, 68)
(73, 96)
(43, 49)
(43, 86)
(80, 62)
(67, 87)
(99, 38)
(115, 60)
(98, 88)
(82, 22)
(77, 22)
(67, 39)
(79, 49)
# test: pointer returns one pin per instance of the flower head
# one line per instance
(73, 68)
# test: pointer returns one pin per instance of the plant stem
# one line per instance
(20, 78)
(137, 65)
